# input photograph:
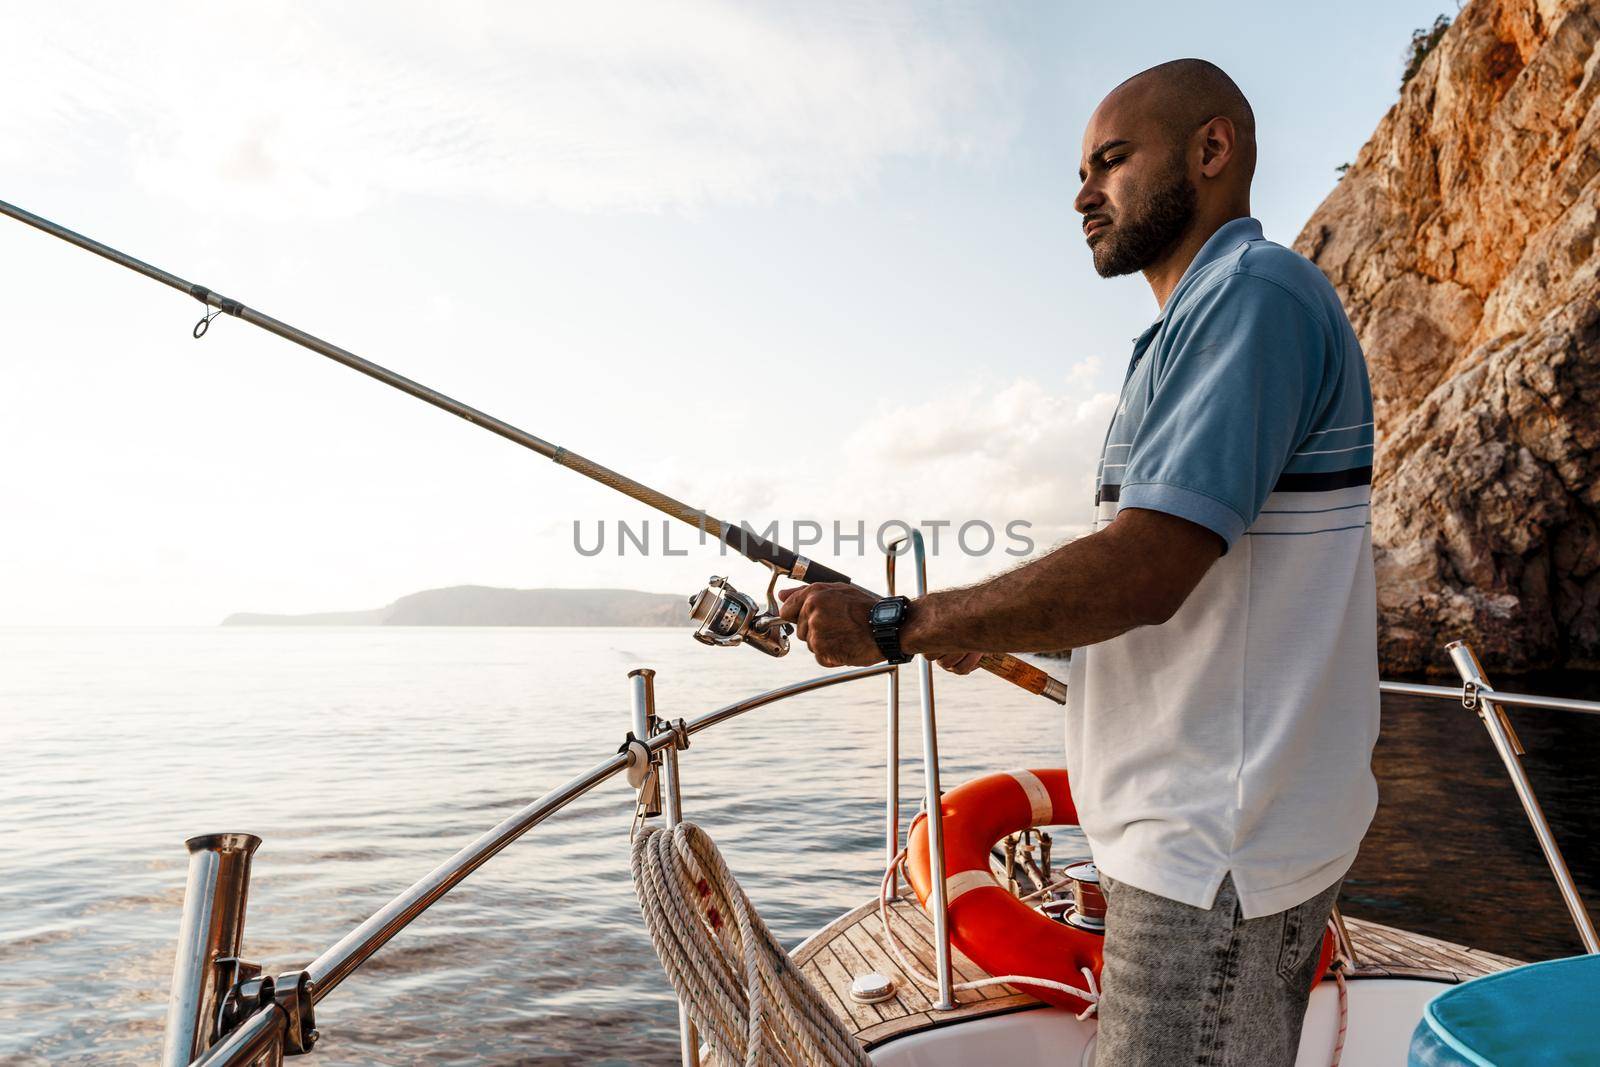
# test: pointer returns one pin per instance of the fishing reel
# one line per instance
(729, 617)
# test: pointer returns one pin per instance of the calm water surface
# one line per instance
(365, 756)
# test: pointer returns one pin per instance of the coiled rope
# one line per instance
(746, 997)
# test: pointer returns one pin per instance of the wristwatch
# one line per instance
(886, 618)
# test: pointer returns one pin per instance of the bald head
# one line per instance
(1185, 94)
(1167, 158)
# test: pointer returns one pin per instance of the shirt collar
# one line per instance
(1229, 236)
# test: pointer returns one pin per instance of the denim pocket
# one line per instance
(1302, 936)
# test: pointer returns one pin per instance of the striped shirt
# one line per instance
(1237, 737)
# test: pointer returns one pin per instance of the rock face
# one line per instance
(1464, 242)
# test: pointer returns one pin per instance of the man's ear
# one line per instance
(1217, 142)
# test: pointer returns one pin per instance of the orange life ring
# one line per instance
(995, 929)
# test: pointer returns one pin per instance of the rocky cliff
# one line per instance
(1464, 242)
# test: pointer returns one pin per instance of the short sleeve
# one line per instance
(1234, 392)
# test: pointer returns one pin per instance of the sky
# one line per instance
(803, 263)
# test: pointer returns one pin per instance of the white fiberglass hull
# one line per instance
(1383, 1012)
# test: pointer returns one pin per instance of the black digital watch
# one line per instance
(886, 618)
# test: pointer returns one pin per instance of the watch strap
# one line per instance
(887, 634)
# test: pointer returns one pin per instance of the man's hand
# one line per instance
(831, 618)
(960, 662)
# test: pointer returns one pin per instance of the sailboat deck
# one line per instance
(853, 945)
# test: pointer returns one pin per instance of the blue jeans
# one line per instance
(1185, 985)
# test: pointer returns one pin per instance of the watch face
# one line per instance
(885, 612)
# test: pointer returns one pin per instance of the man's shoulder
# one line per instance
(1264, 271)
(1273, 262)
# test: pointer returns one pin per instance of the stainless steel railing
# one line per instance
(271, 1017)
(1514, 700)
(1476, 694)
(261, 1035)
(891, 811)
(336, 964)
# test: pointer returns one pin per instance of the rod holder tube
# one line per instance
(1510, 750)
(643, 682)
(930, 773)
(212, 929)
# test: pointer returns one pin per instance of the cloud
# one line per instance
(996, 452)
(301, 108)
(1021, 450)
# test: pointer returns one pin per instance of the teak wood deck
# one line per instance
(852, 945)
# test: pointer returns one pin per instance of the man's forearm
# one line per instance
(1058, 602)
(1134, 573)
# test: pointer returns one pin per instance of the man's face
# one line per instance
(1137, 199)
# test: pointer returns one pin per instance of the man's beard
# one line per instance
(1150, 227)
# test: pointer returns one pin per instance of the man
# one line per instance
(1223, 689)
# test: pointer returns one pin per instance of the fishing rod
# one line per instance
(725, 615)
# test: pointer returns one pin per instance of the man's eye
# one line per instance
(1110, 163)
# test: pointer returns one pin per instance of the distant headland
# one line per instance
(480, 605)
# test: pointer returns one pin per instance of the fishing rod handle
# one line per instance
(1022, 673)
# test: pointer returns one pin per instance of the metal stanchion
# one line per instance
(1479, 695)
(891, 833)
(209, 940)
(644, 716)
(939, 898)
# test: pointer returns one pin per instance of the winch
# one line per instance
(729, 617)
(1085, 905)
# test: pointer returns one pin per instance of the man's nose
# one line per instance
(1089, 197)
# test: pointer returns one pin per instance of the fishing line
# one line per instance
(782, 561)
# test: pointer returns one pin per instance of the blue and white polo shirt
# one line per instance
(1237, 737)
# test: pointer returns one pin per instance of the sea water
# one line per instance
(364, 756)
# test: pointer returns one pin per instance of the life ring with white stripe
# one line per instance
(996, 930)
